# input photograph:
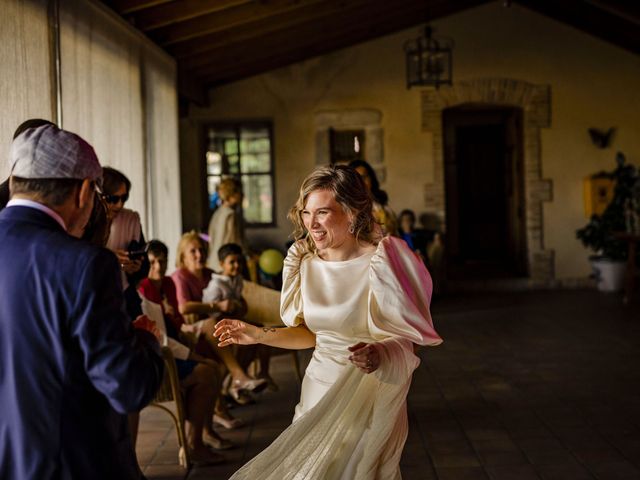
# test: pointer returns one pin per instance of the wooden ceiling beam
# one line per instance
(277, 23)
(124, 7)
(225, 20)
(328, 13)
(241, 62)
(179, 11)
(590, 19)
(371, 22)
(622, 8)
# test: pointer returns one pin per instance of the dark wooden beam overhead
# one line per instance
(124, 7)
(219, 41)
(316, 37)
(622, 8)
(311, 36)
(308, 15)
(591, 19)
(315, 22)
(227, 19)
(179, 11)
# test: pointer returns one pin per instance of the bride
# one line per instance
(363, 302)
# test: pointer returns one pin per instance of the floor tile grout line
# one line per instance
(559, 439)
(422, 442)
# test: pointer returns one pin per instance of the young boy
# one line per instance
(227, 285)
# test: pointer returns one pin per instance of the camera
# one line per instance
(138, 251)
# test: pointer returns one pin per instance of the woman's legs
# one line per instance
(264, 359)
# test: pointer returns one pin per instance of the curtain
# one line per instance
(25, 77)
(118, 93)
(161, 112)
(101, 90)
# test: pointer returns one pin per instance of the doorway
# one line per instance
(484, 187)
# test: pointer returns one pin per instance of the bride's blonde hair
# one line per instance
(349, 191)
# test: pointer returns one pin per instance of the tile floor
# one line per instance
(528, 385)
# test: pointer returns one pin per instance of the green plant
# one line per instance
(598, 233)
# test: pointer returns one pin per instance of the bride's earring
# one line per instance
(352, 229)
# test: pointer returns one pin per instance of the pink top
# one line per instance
(189, 287)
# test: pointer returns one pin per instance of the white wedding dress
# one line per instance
(350, 425)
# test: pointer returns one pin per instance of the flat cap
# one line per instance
(50, 152)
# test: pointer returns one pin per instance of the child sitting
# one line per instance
(228, 286)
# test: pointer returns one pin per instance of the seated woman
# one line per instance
(198, 374)
(191, 278)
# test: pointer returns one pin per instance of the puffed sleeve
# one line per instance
(291, 298)
(399, 315)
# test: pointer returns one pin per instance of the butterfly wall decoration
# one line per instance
(600, 138)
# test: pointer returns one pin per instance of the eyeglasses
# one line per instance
(113, 199)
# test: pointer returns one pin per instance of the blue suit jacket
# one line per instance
(71, 364)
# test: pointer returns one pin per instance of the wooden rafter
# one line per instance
(218, 41)
(226, 20)
(281, 23)
(179, 11)
(124, 7)
(315, 38)
(603, 23)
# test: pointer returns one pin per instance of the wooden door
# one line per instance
(484, 192)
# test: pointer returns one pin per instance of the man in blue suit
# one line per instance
(71, 364)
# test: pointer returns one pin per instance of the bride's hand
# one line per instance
(229, 332)
(365, 356)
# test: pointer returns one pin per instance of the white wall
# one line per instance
(593, 84)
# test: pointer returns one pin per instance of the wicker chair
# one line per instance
(170, 391)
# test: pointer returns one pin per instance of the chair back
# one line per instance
(170, 391)
(263, 305)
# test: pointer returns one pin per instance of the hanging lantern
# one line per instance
(428, 60)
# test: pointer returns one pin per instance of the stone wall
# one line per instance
(535, 102)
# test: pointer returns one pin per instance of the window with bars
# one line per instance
(245, 151)
(346, 145)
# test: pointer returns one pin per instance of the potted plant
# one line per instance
(609, 261)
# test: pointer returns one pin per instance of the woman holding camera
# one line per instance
(126, 239)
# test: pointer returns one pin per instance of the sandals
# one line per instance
(239, 389)
(241, 397)
(218, 443)
(255, 385)
(227, 423)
